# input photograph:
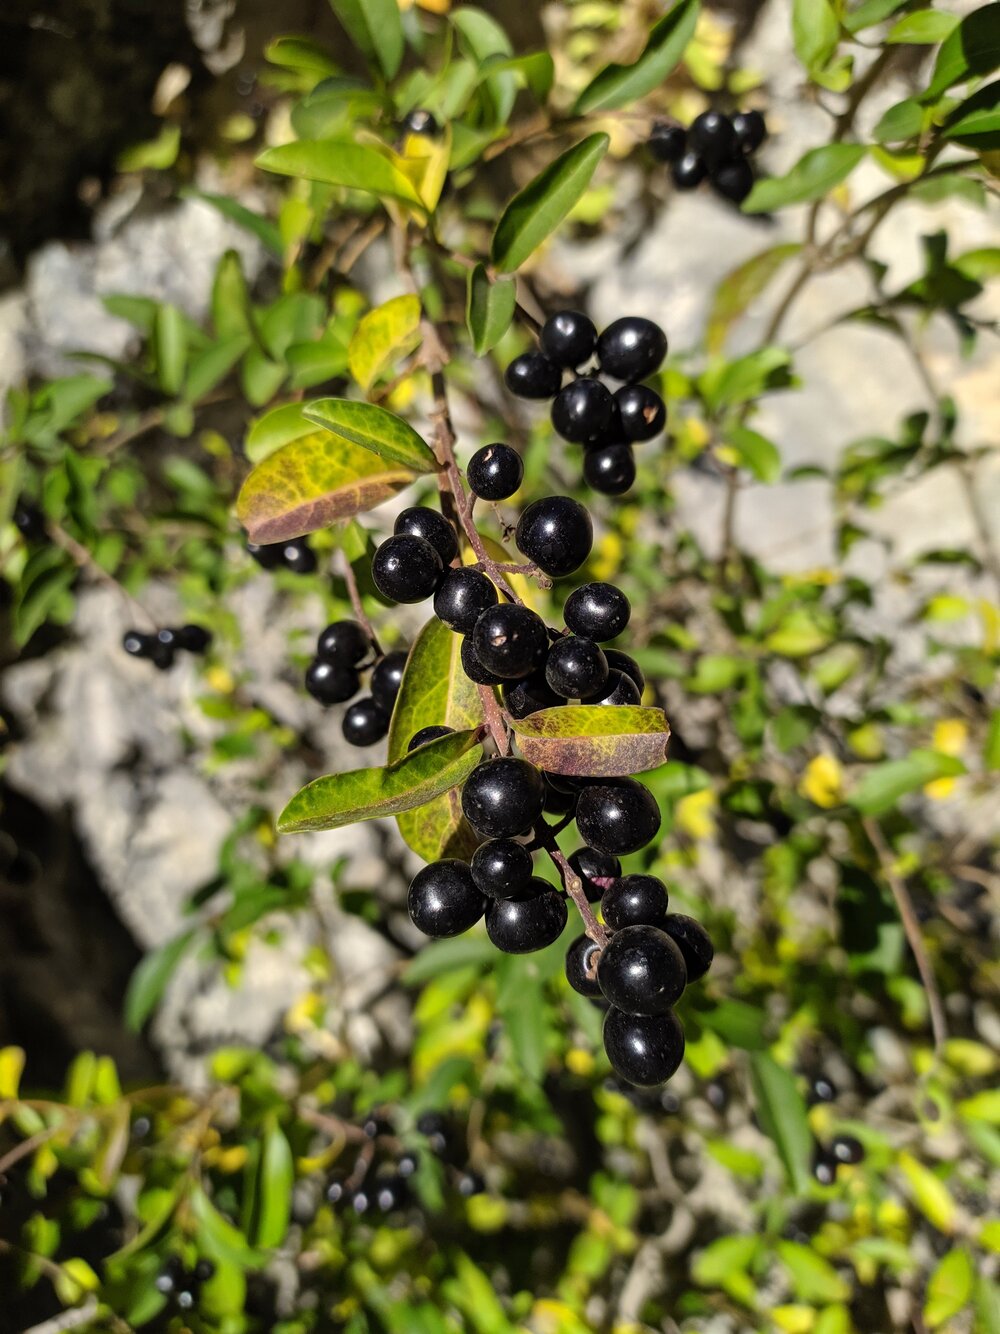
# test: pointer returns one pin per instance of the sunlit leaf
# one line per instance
(275, 1178)
(815, 31)
(375, 429)
(949, 1288)
(972, 49)
(375, 28)
(616, 85)
(383, 336)
(490, 306)
(812, 177)
(335, 162)
(782, 1115)
(930, 1194)
(594, 740)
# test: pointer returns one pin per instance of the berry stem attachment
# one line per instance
(358, 606)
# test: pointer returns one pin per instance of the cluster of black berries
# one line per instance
(162, 647)
(585, 411)
(180, 1284)
(716, 146)
(343, 650)
(842, 1150)
(295, 555)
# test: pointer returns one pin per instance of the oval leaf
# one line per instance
(313, 482)
(334, 162)
(375, 28)
(275, 428)
(813, 176)
(374, 429)
(594, 740)
(973, 48)
(884, 784)
(782, 1115)
(489, 308)
(535, 213)
(616, 85)
(369, 794)
(740, 287)
(435, 690)
(275, 1180)
(388, 332)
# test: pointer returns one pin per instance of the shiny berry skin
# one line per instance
(733, 180)
(556, 533)
(510, 640)
(433, 733)
(635, 900)
(529, 695)
(582, 410)
(581, 966)
(532, 375)
(390, 1193)
(693, 941)
(822, 1089)
(575, 667)
(473, 668)
(469, 1184)
(750, 130)
(618, 816)
(503, 798)
(365, 723)
(406, 568)
(688, 172)
(642, 970)
(617, 690)
(621, 662)
(631, 348)
(643, 411)
(298, 556)
(596, 869)
(568, 338)
(330, 683)
(502, 868)
(420, 121)
(824, 1168)
(609, 469)
(495, 472)
(407, 1164)
(266, 554)
(557, 800)
(443, 900)
(645, 1050)
(667, 142)
(713, 137)
(528, 922)
(138, 645)
(597, 611)
(193, 638)
(343, 642)
(461, 598)
(847, 1149)
(421, 521)
(387, 677)
(29, 521)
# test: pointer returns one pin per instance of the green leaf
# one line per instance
(972, 49)
(737, 1023)
(814, 175)
(740, 287)
(311, 483)
(521, 1007)
(275, 1179)
(265, 231)
(931, 1196)
(885, 784)
(383, 336)
(815, 32)
(814, 1279)
(976, 121)
(375, 28)
(537, 210)
(210, 367)
(926, 27)
(489, 308)
(230, 298)
(170, 347)
(871, 12)
(374, 429)
(731, 382)
(275, 428)
(755, 452)
(435, 691)
(717, 1262)
(782, 1115)
(154, 154)
(300, 53)
(949, 1287)
(446, 956)
(370, 794)
(991, 745)
(536, 70)
(616, 85)
(147, 983)
(334, 162)
(217, 1236)
(904, 120)
(593, 741)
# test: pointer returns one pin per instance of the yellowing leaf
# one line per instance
(424, 160)
(386, 334)
(375, 429)
(950, 736)
(11, 1066)
(823, 781)
(929, 1193)
(949, 1288)
(695, 814)
(594, 741)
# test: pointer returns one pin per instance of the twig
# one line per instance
(85, 561)
(76, 1318)
(22, 1150)
(573, 886)
(360, 615)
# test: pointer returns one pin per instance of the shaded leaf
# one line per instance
(976, 121)
(147, 983)
(815, 32)
(904, 120)
(884, 784)
(489, 308)
(265, 231)
(375, 28)
(300, 53)
(592, 740)
(973, 48)
(814, 1279)
(869, 13)
(335, 162)
(445, 956)
(755, 452)
(740, 287)
(949, 1287)
(814, 175)
(374, 429)
(616, 85)
(217, 1237)
(926, 27)
(209, 368)
(782, 1115)
(536, 70)
(384, 335)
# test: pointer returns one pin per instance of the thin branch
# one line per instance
(360, 615)
(26, 1147)
(85, 561)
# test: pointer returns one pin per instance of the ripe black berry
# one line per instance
(387, 677)
(503, 798)
(29, 521)
(510, 640)
(193, 638)
(631, 348)
(635, 900)
(712, 136)
(298, 556)
(557, 800)
(642, 970)
(847, 1149)
(343, 642)
(717, 1095)
(618, 689)
(406, 568)
(617, 816)
(824, 1168)
(529, 695)
(266, 554)
(556, 533)
(575, 667)
(390, 1193)
(667, 142)
(532, 375)
(469, 1184)
(568, 338)
(330, 683)
(528, 922)
(462, 596)
(473, 668)
(582, 410)
(419, 121)
(609, 469)
(597, 611)
(596, 869)
(621, 662)
(203, 1271)
(364, 723)
(581, 966)
(822, 1089)
(432, 733)
(733, 180)
(688, 172)
(138, 645)
(750, 130)
(443, 901)
(502, 868)
(495, 472)
(645, 1050)
(642, 410)
(421, 521)
(693, 941)
(407, 1164)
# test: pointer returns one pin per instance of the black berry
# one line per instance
(581, 966)
(421, 521)
(713, 136)
(510, 640)
(688, 172)
(618, 689)
(138, 645)
(406, 568)
(473, 668)
(528, 922)
(502, 868)
(29, 521)
(568, 338)
(582, 410)
(667, 142)
(462, 596)
(495, 472)
(443, 901)
(609, 469)
(390, 1193)
(469, 1184)
(822, 1089)
(631, 348)
(557, 800)
(343, 642)
(621, 662)
(532, 375)
(529, 695)
(635, 900)
(433, 733)
(596, 869)
(617, 816)
(330, 683)
(824, 1168)
(645, 1050)
(203, 1271)
(365, 723)
(503, 798)
(556, 534)
(387, 677)
(642, 970)
(642, 411)
(750, 130)
(733, 180)
(597, 611)
(266, 554)
(575, 667)
(693, 941)
(420, 121)
(193, 638)
(298, 556)
(847, 1149)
